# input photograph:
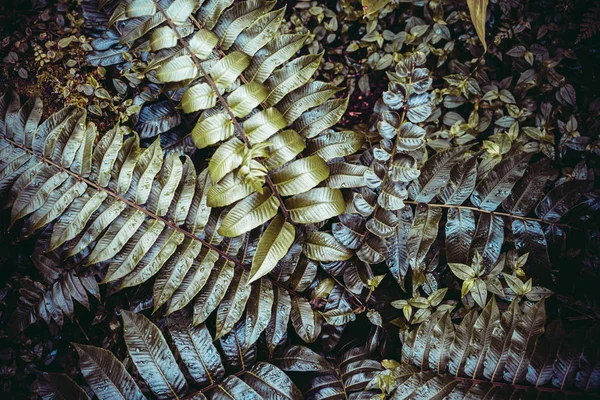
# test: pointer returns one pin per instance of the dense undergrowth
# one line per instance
(299, 199)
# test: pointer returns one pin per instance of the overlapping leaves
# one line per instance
(257, 104)
(158, 369)
(141, 215)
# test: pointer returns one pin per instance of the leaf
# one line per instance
(284, 146)
(372, 6)
(313, 122)
(279, 50)
(523, 341)
(422, 234)
(530, 238)
(435, 173)
(174, 271)
(232, 305)
(560, 200)
(441, 339)
(60, 387)
(277, 328)
(194, 280)
(316, 205)
(270, 382)
(481, 338)
(229, 68)
(541, 365)
(151, 355)
(272, 246)
(177, 69)
(461, 183)
(258, 310)
(488, 239)
(460, 230)
(306, 322)
(233, 388)
(397, 259)
(157, 118)
(528, 190)
(321, 246)
(204, 135)
(105, 374)
(477, 10)
(495, 358)
(497, 185)
(291, 76)
(198, 97)
(249, 213)
(349, 231)
(335, 144)
(307, 96)
(302, 359)
(300, 176)
(196, 348)
(245, 98)
(213, 291)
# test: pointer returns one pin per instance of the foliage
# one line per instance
(428, 231)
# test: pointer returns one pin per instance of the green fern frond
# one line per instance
(146, 214)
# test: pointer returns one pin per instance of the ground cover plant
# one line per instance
(299, 199)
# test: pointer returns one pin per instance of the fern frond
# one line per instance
(146, 214)
(590, 25)
(158, 369)
(493, 347)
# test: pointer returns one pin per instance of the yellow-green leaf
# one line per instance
(198, 97)
(300, 175)
(212, 129)
(272, 246)
(477, 9)
(249, 213)
(316, 205)
(177, 69)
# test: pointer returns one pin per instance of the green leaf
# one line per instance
(316, 205)
(177, 69)
(212, 128)
(249, 213)
(372, 6)
(300, 176)
(335, 144)
(272, 246)
(246, 98)
(477, 10)
(322, 246)
(198, 97)
(284, 146)
(229, 68)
